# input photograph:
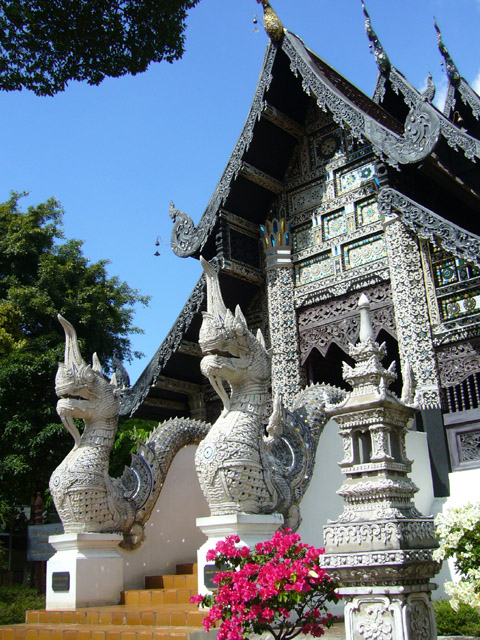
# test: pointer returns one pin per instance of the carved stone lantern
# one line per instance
(380, 548)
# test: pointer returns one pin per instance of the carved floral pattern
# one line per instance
(411, 312)
(287, 375)
(469, 446)
(457, 362)
(419, 619)
(336, 320)
(374, 623)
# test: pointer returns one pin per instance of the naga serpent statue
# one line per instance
(86, 497)
(242, 466)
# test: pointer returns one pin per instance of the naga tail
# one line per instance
(143, 480)
(302, 426)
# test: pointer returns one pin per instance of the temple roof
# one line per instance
(416, 141)
(462, 104)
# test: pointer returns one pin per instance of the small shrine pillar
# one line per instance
(380, 548)
(287, 374)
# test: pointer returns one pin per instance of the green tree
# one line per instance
(44, 43)
(42, 274)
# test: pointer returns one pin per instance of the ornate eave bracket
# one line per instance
(422, 126)
(186, 238)
(430, 226)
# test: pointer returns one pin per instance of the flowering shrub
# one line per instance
(278, 587)
(458, 530)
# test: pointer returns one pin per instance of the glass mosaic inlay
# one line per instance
(364, 251)
(334, 225)
(451, 270)
(367, 213)
(354, 178)
(315, 269)
(306, 236)
(307, 199)
(460, 305)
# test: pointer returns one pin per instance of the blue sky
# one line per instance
(115, 155)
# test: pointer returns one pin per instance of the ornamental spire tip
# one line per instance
(381, 58)
(451, 68)
(271, 22)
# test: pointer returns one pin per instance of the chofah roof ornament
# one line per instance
(271, 22)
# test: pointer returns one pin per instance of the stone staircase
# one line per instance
(161, 611)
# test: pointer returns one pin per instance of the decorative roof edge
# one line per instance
(470, 97)
(132, 398)
(451, 68)
(423, 126)
(456, 138)
(186, 239)
(428, 225)
(381, 57)
(456, 81)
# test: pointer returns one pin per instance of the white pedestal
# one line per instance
(86, 570)
(395, 612)
(250, 528)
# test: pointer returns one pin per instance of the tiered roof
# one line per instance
(431, 162)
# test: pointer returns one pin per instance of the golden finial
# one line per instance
(271, 21)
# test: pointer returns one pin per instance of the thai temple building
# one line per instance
(329, 194)
(345, 229)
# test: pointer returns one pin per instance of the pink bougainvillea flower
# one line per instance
(266, 588)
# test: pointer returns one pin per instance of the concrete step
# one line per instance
(161, 612)
(141, 615)
(187, 567)
(158, 596)
(92, 632)
(181, 581)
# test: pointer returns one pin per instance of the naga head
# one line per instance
(82, 389)
(231, 351)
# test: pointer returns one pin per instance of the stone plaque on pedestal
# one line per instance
(85, 570)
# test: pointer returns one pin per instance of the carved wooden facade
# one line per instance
(327, 194)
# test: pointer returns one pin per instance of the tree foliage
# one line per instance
(46, 43)
(41, 274)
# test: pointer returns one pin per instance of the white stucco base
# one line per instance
(250, 528)
(88, 569)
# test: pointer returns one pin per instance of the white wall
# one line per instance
(464, 488)
(171, 534)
